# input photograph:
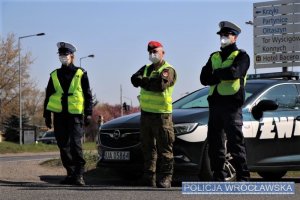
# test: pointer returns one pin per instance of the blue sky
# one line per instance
(117, 33)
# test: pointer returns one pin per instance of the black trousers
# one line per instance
(68, 131)
(225, 122)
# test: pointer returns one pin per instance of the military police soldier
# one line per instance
(69, 98)
(156, 81)
(225, 73)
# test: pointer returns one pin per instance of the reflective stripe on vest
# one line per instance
(225, 87)
(75, 95)
(156, 102)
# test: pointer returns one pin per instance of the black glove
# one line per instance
(87, 120)
(217, 73)
(136, 80)
(48, 122)
(145, 82)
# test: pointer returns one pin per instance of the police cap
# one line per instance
(229, 27)
(65, 48)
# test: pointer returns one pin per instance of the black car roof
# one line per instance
(271, 81)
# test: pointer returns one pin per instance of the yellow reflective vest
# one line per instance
(75, 95)
(156, 102)
(225, 87)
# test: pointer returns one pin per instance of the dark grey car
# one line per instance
(271, 128)
(48, 138)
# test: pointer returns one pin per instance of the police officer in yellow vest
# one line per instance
(69, 98)
(156, 81)
(225, 73)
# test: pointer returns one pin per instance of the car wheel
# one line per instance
(231, 173)
(206, 173)
(276, 175)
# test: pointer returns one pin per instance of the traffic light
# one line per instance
(126, 107)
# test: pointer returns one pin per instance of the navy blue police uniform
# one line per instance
(68, 128)
(225, 111)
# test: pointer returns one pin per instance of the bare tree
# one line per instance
(9, 82)
(33, 105)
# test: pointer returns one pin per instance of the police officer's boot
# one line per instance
(164, 181)
(79, 181)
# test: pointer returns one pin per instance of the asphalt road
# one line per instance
(48, 188)
(25, 191)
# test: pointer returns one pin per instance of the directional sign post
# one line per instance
(276, 33)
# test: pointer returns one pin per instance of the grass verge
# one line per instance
(10, 147)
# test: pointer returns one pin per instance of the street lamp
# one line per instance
(249, 22)
(20, 82)
(89, 56)
(252, 24)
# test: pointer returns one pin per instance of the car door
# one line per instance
(278, 132)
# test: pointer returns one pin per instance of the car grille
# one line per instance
(120, 138)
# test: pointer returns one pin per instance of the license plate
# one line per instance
(117, 155)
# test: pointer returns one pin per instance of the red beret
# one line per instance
(153, 44)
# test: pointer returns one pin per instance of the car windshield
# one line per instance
(198, 99)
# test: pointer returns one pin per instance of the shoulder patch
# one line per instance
(165, 73)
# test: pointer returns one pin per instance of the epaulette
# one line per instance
(53, 71)
(242, 51)
(83, 70)
(214, 53)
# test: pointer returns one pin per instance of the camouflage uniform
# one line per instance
(157, 134)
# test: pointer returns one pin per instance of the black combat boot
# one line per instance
(78, 180)
(164, 181)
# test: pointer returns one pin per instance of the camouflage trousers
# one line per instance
(157, 137)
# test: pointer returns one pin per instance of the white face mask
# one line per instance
(65, 60)
(225, 41)
(154, 57)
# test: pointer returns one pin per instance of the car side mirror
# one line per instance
(262, 106)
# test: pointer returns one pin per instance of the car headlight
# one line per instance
(184, 128)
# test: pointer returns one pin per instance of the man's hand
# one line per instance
(48, 122)
(87, 120)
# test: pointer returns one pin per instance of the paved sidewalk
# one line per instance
(29, 154)
(27, 171)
